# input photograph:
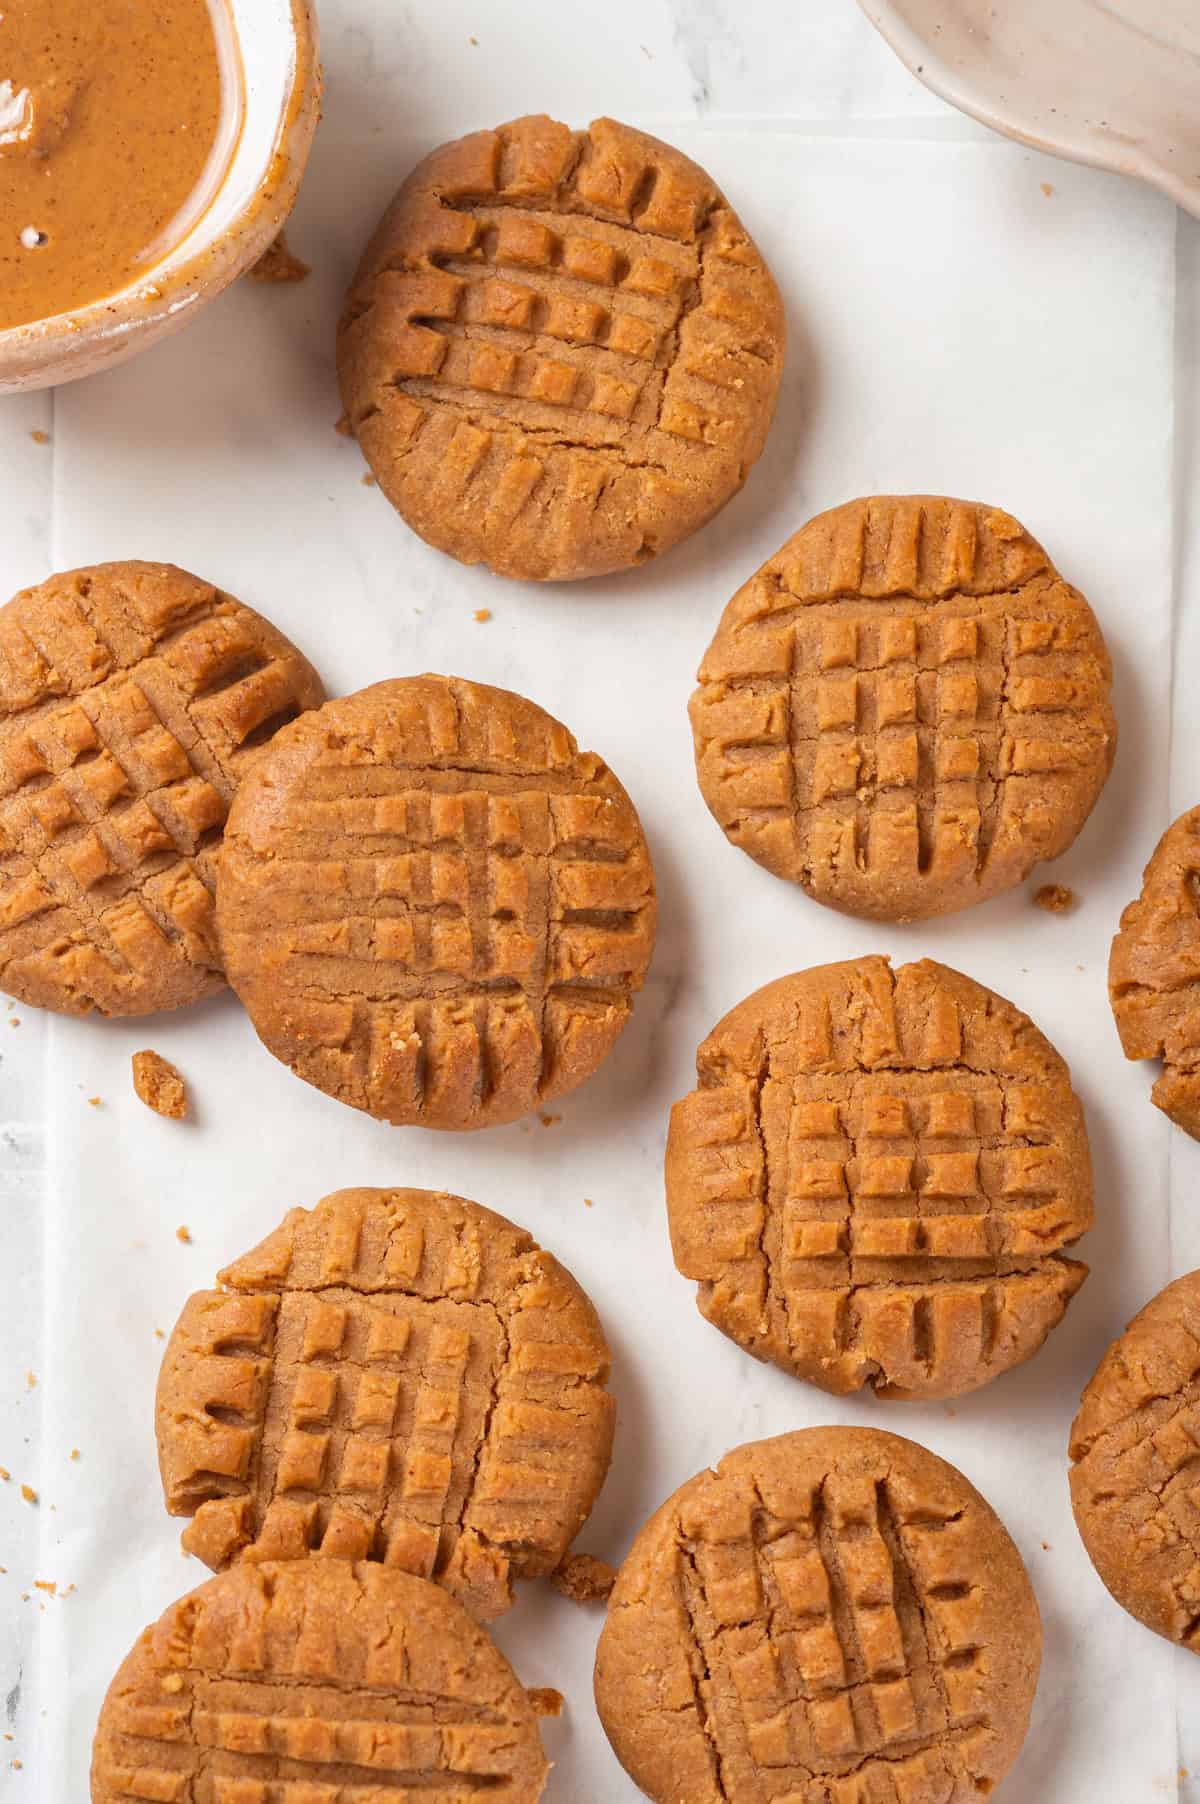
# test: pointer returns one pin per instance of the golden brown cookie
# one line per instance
(1154, 972)
(905, 709)
(833, 1616)
(434, 906)
(395, 1375)
(316, 1682)
(561, 351)
(1135, 1445)
(133, 699)
(874, 1179)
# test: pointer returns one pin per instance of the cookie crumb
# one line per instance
(1055, 898)
(545, 1701)
(482, 614)
(159, 1085)
(474, 41)
(1045, 1547)
(549, 1120)
(583, 1579)
(74, 1454)
(369, 479)
(40, 438)
(29, 1494)
(277, 264)
(184, 1234)
(587, 1202)
(95, 1102)
(5, 1474)
(159, 1335)
(1047, 189)
(14, 1021)
(49, 1586)
(31, 1381)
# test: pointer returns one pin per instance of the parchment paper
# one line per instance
(966, 318)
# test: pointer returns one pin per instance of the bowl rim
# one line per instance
(1099, 147)
(44, 350)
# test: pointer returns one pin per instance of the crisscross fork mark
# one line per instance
(426, 977)
(893, 1164)
(96, 818)
(373, 1439)
(87, 851)
(844, 1728)
(228, 1732)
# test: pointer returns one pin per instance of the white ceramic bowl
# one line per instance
(1115, 83)
(281, 74)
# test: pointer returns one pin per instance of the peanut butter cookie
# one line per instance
(316, 1682)
(396, 1375)
(1154, 972)
(830, 1617)
(1134, 1449)
(434, 905)
(905, 709)
(875, 1178)
(133, 699)
(561, 351)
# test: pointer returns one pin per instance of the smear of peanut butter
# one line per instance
(113, 114)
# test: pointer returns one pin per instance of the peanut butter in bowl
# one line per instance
(118, 119)
(150, 151)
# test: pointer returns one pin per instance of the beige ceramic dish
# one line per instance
(1115, 83)
(276, 41)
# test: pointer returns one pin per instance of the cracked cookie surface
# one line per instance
(875, 1179)
(1135, 1473)
(394, 1375)
(316, 1682)
(133, 700)
(433, 905)
(561, 351)
(833, 1616)
(905, 709)
(1154, 972)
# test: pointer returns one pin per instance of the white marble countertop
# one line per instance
(965, 317)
